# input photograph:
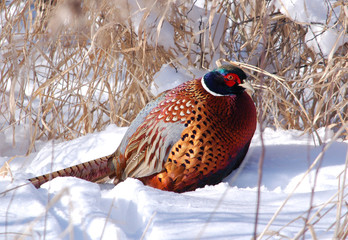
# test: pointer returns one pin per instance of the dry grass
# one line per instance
(81, 75)
(73, 67)
(70, 68)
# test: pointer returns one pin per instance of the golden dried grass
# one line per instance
(86, 65)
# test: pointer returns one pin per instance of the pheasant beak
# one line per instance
(247, 85)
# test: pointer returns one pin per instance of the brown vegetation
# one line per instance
(60, 60)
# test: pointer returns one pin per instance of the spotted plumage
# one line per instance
(189, 136)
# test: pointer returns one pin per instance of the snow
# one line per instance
(68, 206)
(161, 82)
(315, 15)
(325, 40)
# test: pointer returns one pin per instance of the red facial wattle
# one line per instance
(232, 79)
(230, 83)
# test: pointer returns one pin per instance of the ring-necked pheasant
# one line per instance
(189, 136)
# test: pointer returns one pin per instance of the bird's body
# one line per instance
(189, 136)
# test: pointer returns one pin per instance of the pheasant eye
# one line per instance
(232, 79)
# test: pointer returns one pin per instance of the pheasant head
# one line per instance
(225, 80)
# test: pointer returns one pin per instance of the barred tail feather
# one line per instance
(93, 171)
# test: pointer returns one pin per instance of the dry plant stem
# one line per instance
(307, 224)
(340, 202)
(259, 181)
(260, 122)
(148, 225)
(108, 217)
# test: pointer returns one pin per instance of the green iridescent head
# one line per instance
(225, 80)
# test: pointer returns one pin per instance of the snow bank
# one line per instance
(68, 207)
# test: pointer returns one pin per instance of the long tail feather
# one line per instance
(93, 171)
